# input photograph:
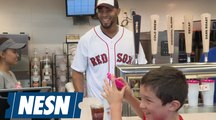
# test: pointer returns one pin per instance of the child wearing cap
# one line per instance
(163, 92)
(8, 58)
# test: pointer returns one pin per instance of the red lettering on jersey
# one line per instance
(98, 59)
(124, 58)
(119, 57)
(93, 61)
(130, 60)
(104, 58)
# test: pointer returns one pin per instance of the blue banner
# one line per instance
(44, 105)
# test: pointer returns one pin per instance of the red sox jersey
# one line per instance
(97, 54)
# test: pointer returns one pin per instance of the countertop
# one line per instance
(191, 116)
(188, 113)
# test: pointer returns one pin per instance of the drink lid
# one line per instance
(192, 81)
(96, 106)
(208, 81)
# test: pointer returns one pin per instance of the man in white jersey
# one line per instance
(101, 49)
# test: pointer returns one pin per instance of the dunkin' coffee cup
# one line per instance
(193, 92)
(207, 87)
(97, 111)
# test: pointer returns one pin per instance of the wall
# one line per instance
(43, 20)
(177, 8)
(47, 25)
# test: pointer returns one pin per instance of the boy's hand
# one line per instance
(119, 83)
(112, 94)
(128, 92)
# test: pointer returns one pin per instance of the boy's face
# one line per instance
(152, 105)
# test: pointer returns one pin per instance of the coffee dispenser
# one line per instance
(35, 70)
(197, 45)
(46, 70)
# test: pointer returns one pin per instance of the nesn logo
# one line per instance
(50, 104)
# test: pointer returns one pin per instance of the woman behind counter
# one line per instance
(8, 57)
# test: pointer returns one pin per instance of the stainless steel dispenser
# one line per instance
(162, 55)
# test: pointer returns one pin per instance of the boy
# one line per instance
(163, 91)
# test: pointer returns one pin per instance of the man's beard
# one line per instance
(106, 26)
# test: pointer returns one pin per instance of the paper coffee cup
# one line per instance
(69, 87)
(207, 88)
(193, 92)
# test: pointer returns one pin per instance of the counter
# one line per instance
(188, 113)
(191, 116)
(199, 109)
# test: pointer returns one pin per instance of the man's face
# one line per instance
(107, 16)
(151, 105)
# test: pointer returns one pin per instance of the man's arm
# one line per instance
(78, 81)
(129, 97)
(132, 100)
